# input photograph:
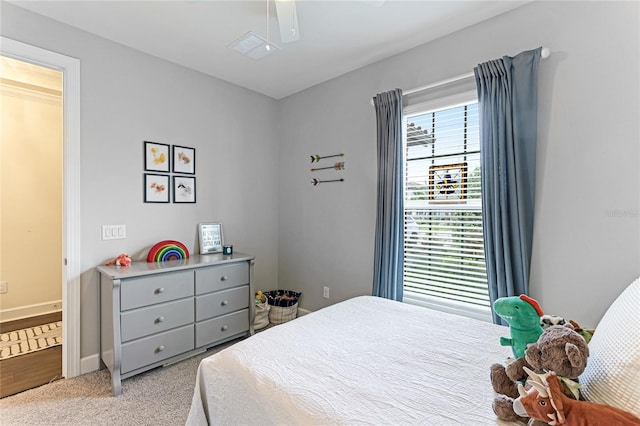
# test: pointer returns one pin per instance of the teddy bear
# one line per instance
(560, 349)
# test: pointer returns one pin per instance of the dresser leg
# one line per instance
(116, 386)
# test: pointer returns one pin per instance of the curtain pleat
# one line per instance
(389, 241)
(508, 105)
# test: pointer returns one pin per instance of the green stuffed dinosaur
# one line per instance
(522, 313)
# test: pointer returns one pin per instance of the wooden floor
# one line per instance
(27, 371)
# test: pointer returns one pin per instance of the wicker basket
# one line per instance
(283, 305)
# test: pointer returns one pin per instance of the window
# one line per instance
(444, 265)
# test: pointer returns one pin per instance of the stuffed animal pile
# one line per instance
(558, 348)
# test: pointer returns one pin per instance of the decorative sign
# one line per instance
(448, 183)
(210, 237)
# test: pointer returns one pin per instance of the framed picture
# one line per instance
(210, 237)
(156, 188)
(184, 189)
(156, 157)
(448, 183)
(184, 160)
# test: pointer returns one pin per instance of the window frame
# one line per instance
(464, 97)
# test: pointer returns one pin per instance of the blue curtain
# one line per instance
(389, 245)
(508, 108)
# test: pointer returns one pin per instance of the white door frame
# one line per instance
(70, 68)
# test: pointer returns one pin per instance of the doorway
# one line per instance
(31, 199)
(70, 223)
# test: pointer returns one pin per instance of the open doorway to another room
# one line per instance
(31, 225)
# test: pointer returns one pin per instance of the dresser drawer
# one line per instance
(221, 302)
(221, 277)
(156, 348)
(158, 288)
(155, 319)
(212, 330)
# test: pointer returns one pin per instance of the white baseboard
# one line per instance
(31, 310)
(89, 363)
(302, 312)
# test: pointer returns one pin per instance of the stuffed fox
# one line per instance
(546, 402)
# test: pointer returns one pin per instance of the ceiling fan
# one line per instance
(256, 46)
(287, 20)
(287, 15)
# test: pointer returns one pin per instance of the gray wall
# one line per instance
(587, 233)
(128, 97)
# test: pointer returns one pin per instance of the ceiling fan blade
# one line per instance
(287, 20)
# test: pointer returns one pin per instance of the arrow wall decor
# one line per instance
(317, 158)
(317, 182)
(337, 166)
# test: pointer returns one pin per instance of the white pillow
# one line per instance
(612, 375)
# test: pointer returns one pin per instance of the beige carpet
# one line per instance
(158, 397)
(30, 339)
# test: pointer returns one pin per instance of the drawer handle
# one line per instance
(160, 319)
(224, 328)
(160, 348)
(225, 303)
(224, 278)
(160, 290)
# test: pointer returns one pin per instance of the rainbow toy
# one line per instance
(167, 250)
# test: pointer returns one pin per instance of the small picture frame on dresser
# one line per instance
(211, 240)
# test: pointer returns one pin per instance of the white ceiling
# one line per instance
(335, 36)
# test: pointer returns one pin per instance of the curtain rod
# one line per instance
(544, 53)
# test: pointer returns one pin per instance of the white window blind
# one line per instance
(444, 265)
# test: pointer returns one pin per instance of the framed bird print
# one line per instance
(156, 157)
(156, 188)
(184, 160)
(184, 189)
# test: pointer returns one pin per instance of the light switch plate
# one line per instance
(114, 232)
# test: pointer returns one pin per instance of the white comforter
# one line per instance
(364, 361)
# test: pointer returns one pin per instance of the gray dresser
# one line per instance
(156, 313)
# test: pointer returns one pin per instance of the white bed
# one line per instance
(363, 361)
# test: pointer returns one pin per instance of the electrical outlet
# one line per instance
(3, 287)
(114, 232)
(325, 292)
